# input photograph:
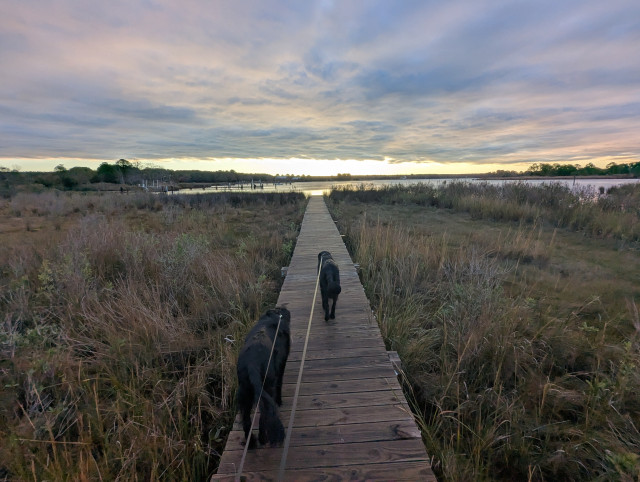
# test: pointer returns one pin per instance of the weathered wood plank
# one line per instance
(332, 352)
(339, 374)
(343, 416)
(336, 341)
(379, 360)
(348, 400)
(346, 434)
(343, 386)
(398, 471)
(338, 455)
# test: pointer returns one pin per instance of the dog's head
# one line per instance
(280, 311)
(322, 255)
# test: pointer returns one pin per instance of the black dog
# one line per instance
(253, 365)
(329, 283)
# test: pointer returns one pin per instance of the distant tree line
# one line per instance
(122, 172)
(612, 169)
(551, 170)
(126, 173)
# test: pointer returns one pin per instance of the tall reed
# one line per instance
(615, 213)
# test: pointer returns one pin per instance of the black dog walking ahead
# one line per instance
(253, 364)
(329, 283)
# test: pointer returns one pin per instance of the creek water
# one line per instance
(318, 188)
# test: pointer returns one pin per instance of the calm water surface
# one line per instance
(319, 188)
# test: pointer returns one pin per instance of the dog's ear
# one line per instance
(284, 312)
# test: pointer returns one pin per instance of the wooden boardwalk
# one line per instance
(352, 421)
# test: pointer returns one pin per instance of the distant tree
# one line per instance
(60, 178)
(590, 170)
(540, 169)
(564, 169)
(107, 173)
(69, 182)
(124, 167)
(546, 169)
(82, 175)
(613, 168)
(505, 173)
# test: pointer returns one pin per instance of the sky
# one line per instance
(320, 87)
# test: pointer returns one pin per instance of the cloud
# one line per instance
(484, 82)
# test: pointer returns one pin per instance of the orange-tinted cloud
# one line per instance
(480, 83)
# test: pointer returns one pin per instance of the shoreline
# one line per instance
(552, 178)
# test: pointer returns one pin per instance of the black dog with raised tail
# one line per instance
(329, 283)
(254, 369)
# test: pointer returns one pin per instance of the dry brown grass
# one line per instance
(119, 315)
(520, 342)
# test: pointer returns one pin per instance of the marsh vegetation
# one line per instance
(514, 309)
(119, 328)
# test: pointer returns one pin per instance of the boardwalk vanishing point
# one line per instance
(352, 420)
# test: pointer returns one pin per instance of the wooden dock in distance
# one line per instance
(352, 421)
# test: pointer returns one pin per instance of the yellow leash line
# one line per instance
(283, 461)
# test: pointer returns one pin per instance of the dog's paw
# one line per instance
(333, 316)
(252, 442)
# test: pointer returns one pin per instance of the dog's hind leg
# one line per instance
(271, 428)
(245, 402)
(280, 374)
(333, 308)
(325, 305)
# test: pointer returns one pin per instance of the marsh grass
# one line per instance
(119, 328)
(520, 341)
(615, 213)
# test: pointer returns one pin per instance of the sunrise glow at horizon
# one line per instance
(320, 87)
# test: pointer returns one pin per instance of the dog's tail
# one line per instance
(269, 419)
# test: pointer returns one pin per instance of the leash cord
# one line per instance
(285, 451)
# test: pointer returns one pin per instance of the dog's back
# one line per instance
(329, 273)
(329, 282)
(257, 373)
(269, 322)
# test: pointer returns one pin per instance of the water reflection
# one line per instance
(318, 188)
